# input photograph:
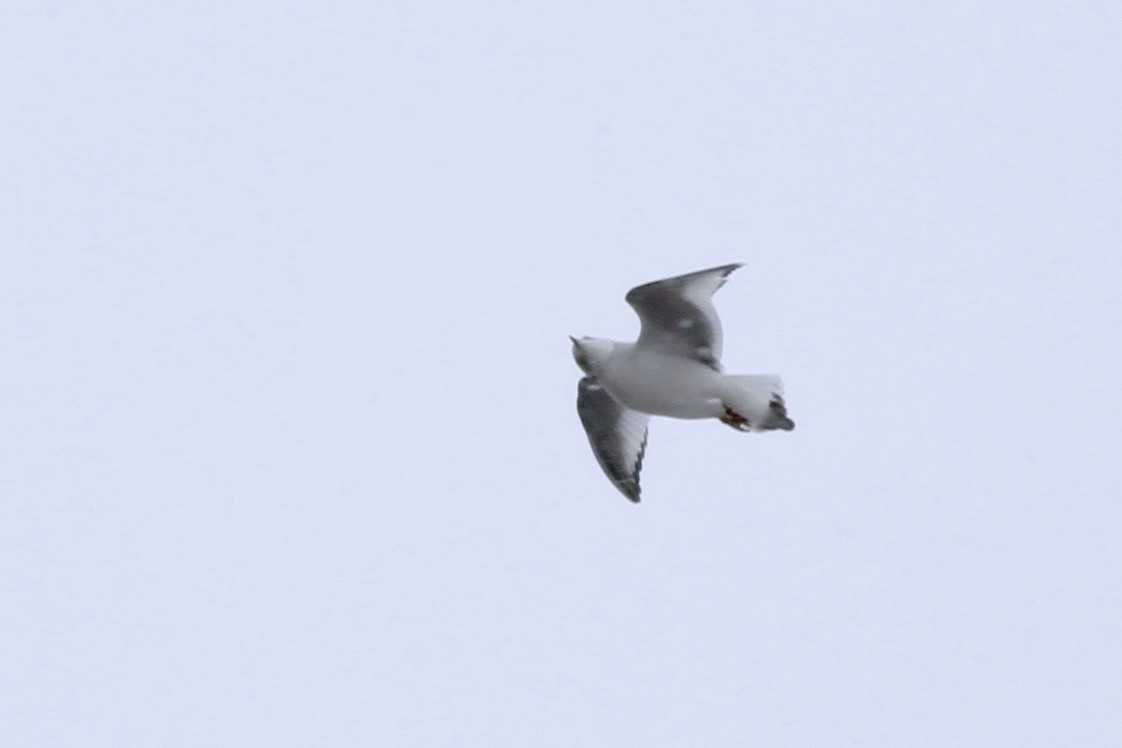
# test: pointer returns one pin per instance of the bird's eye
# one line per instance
(582, 360)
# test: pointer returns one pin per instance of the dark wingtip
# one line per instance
(778, 416)
(727, 270)
(724, 270)
(634, 295)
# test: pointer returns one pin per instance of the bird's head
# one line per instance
(591, 353)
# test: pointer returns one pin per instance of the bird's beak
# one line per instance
(573, 339)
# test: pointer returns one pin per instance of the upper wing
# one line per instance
(678, 316)
(617, 434)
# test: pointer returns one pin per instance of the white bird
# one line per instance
(673, 369)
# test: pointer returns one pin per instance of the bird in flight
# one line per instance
(673, 369)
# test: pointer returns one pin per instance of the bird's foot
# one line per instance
(734, 419)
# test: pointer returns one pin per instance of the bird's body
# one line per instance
(673, 370)
(660, 385)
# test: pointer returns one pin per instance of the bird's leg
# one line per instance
(734, 419)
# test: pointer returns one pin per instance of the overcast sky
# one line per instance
(290, 452)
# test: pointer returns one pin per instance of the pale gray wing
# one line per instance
(617, 434)
(678, 316)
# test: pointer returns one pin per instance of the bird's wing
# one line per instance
(678, 316)
(617, 435)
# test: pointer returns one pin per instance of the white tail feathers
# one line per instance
(754, 402)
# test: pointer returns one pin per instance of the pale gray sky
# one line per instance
(290, 451)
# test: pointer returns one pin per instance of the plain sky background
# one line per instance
(289, 449)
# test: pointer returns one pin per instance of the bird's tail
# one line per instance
(754, 402)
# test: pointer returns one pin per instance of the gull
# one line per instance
(673, 369)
